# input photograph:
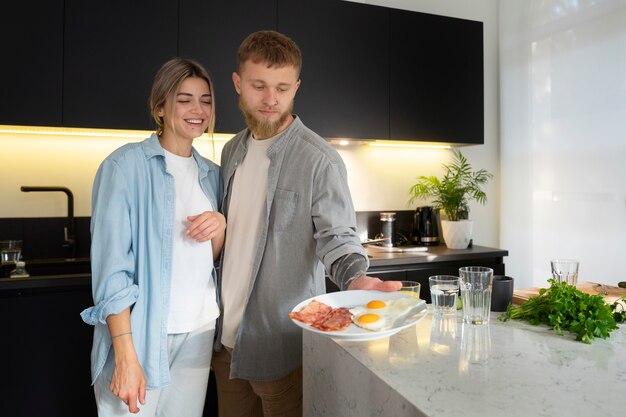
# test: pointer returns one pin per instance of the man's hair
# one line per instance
(269, 46)
(167, 81)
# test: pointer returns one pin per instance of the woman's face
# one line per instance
(186, 113)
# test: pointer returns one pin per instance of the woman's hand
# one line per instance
(128, 382)
(206, 226)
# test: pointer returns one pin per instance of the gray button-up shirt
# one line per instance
(310, 223)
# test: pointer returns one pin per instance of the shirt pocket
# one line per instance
(283, 210)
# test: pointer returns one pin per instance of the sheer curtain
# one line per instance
(563, 137)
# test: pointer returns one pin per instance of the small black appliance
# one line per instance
(426, 226)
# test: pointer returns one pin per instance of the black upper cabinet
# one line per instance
(369, 72)
(112, 51)
(345, 73)
(436, 82)
(211, 33)
(31, 74)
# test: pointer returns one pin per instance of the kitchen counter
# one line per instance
(444, 368)
(44, 282)
(439, 253)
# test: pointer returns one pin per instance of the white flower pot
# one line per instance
(458, 234)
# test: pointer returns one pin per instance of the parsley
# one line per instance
(563, 307)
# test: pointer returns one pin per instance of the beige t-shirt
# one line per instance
(246, 209)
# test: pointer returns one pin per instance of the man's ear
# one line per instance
(237, 82)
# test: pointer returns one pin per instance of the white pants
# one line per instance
(190, 360)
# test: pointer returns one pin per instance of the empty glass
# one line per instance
(476, 284)
(565, 270)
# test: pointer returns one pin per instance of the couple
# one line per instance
(157, 229)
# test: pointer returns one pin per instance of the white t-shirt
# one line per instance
(192, 298)
(246, 209)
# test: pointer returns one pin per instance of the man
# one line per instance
(288, 207)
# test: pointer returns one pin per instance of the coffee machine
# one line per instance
(426, 226)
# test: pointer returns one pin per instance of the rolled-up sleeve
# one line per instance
(334, 217)
(114, 286)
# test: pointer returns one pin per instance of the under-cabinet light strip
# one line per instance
(408, 145)
(96, 133)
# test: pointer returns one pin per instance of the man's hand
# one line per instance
(371, 283)
(206, 226)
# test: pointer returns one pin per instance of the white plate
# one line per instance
(354, 298)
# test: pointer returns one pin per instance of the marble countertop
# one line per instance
(444, 368)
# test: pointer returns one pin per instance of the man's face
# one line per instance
(266, 97)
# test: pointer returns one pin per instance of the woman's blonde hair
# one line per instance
(167, 81)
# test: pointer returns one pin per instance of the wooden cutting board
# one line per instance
(614, 293)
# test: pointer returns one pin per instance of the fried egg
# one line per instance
(380, 315)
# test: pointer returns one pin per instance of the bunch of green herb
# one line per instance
(563, 307)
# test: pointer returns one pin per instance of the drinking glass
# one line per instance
(411, 288)
(444, 290)
(10, 251)
(476, 293)
(565, 270)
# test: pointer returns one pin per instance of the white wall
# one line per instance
(379, 178)
(563, 112)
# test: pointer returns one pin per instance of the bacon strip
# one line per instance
(338, 319)
(324, 317)
(311, 313)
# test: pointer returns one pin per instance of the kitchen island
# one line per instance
(444, 368)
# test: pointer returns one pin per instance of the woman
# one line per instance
(156, 230)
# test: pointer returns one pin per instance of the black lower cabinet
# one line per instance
(45, 353)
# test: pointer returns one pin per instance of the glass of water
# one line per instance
(476, 284)
(444, 290)
(10, 251)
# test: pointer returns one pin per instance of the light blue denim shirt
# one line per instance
(132, 221)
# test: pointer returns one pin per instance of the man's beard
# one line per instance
(263, 129)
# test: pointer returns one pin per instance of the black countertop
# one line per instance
(52, 282)
(439, 253)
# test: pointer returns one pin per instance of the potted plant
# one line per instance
(452, 193)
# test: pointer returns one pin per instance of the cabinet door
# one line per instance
(211, 33)
(113, 49)
(45, 358)
(345, 73)
(436, 80)
(389, 275)
(32, 65)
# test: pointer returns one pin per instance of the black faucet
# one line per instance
(70, 230)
